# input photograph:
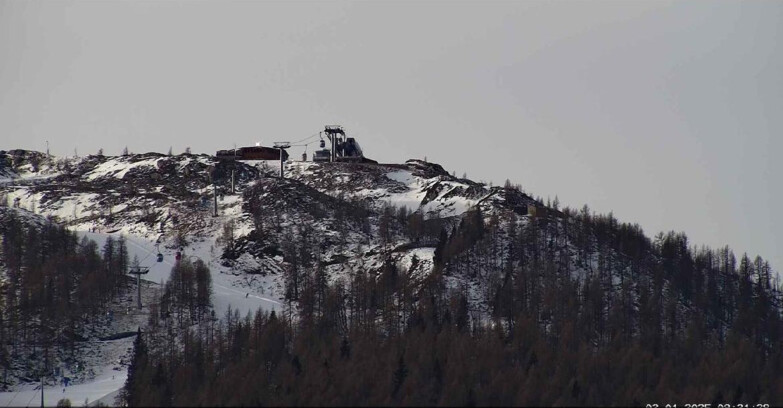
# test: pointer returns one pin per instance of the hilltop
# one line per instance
(170, 199)
(372, 252)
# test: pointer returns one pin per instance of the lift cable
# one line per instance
(308, 137)
(304, 144)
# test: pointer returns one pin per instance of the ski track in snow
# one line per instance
(107, 384)
(224, 294)
(239, 291)
(103, 387)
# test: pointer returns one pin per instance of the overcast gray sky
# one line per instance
(668, 114)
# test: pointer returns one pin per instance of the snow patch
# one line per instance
(118, 168)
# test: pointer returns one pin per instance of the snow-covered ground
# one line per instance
(104, 387)
(238, 290)
(246, 293)
(84, 210)
(118, 169)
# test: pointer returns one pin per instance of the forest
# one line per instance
(574, 308)
(54, 287)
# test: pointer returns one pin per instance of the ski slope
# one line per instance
(240, 292)
(106, 384)
(236, 291)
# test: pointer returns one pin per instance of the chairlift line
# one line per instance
(308, 137)
(334, 145)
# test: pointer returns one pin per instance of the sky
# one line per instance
(669, 114)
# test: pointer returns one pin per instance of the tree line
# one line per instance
(55, 286)
(569, 309)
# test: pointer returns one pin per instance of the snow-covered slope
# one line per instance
(337, 218)
(97, 364)
(151, 198)
(417, 185)
(166, 204)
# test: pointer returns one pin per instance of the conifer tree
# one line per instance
(134, 385)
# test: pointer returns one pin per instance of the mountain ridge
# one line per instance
(384, 250)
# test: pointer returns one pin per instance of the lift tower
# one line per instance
(336, 136)
(281, 146)
(138, 271)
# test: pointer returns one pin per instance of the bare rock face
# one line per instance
(424, 169)
(19, 157)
